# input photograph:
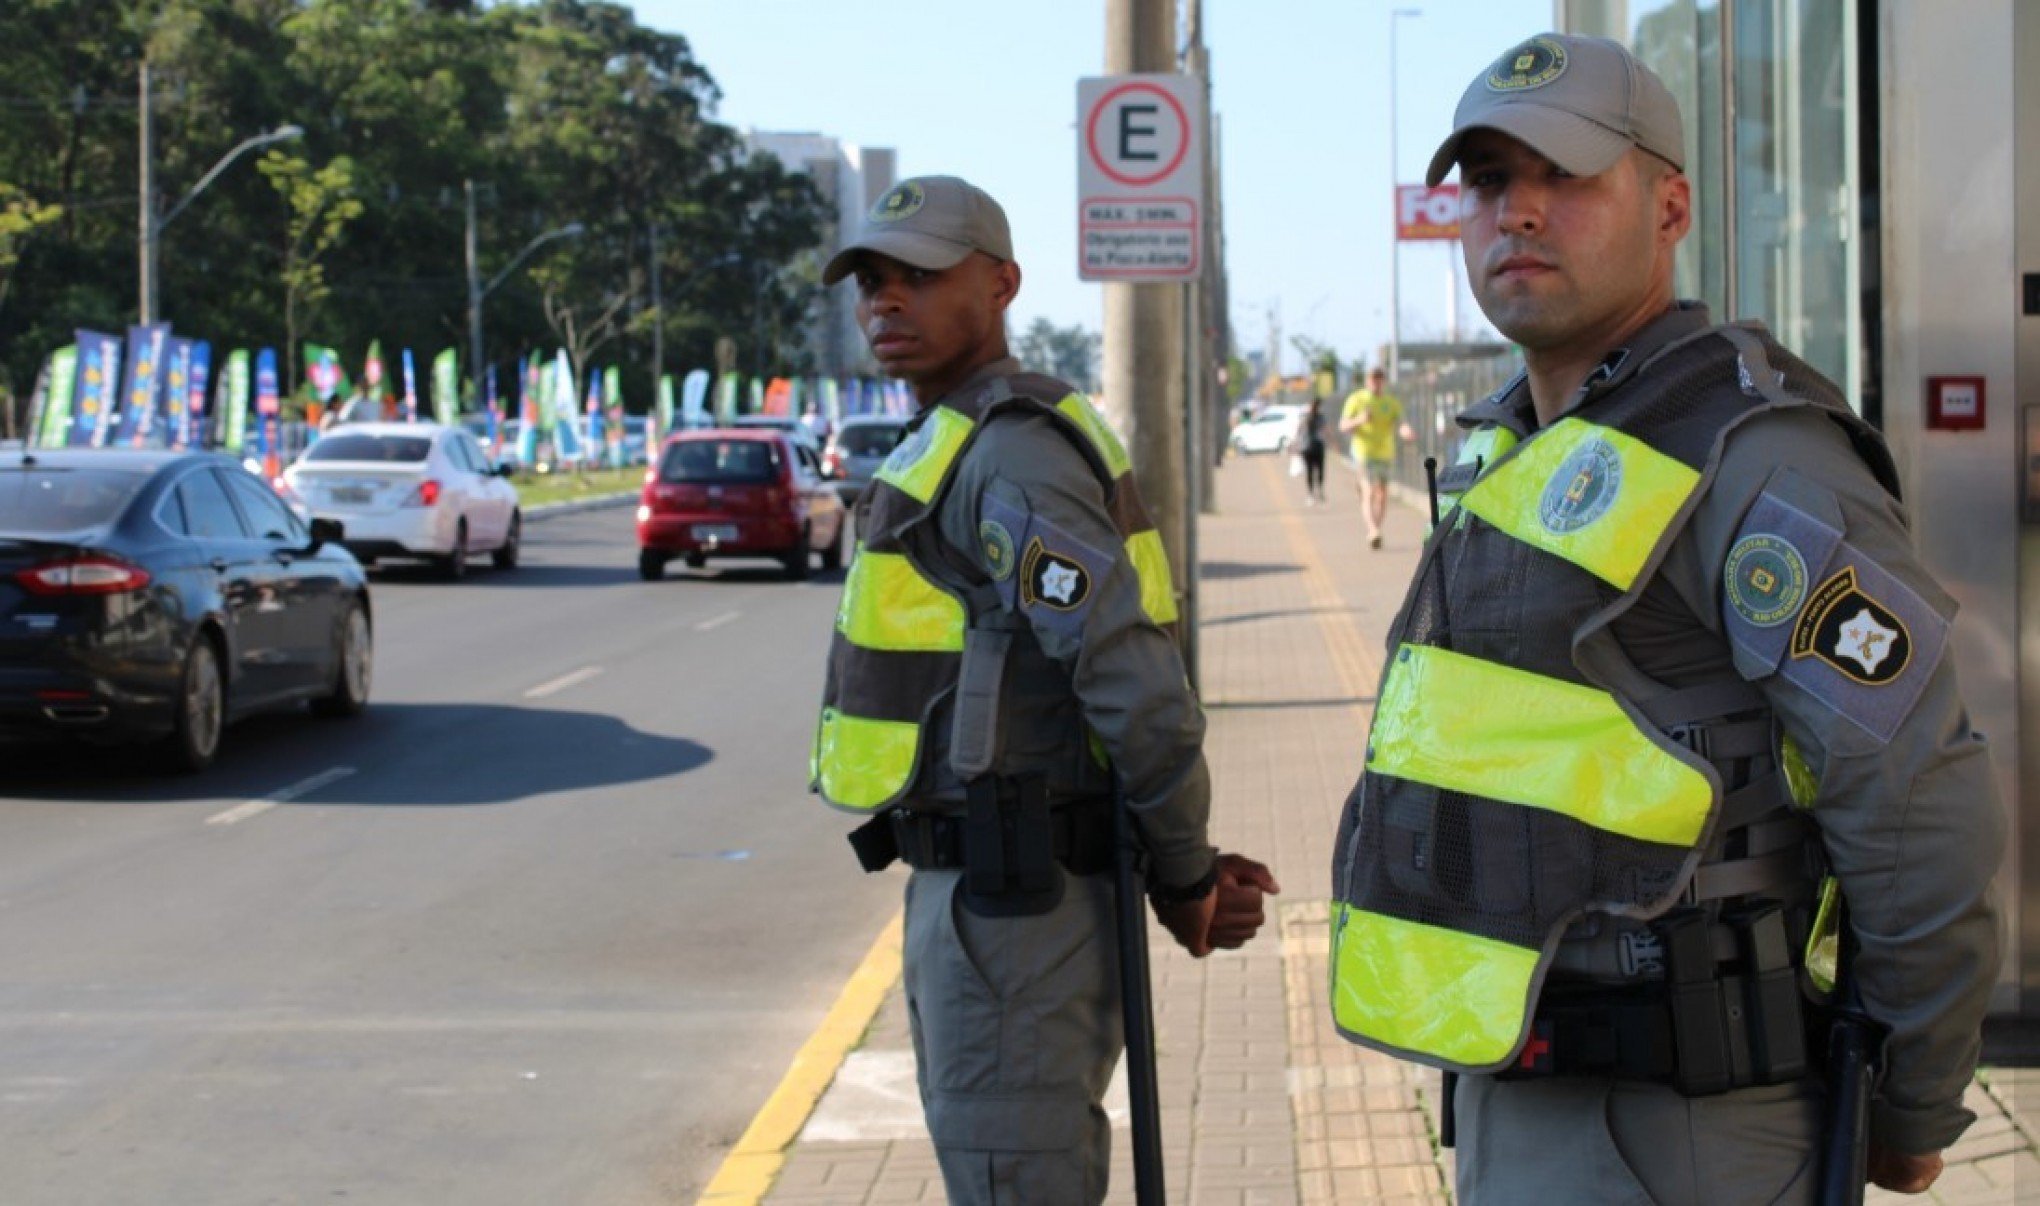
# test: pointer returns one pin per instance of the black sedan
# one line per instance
(154, 595)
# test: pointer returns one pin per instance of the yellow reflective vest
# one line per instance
(899, 636)
(1506, 791)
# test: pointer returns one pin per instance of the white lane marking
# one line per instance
(241, 812)
(718, 621)
(563, 682)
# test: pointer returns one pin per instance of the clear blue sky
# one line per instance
(988, 92)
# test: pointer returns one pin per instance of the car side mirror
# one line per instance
(324, 532)
(505, 469)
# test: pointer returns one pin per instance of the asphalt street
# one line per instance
(545, 925)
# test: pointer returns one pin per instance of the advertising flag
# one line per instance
(139, 389)
(231, 414)
(176, 396)
(323, 372)
(98, 377)
(193, 433)
(528, 412)
(694, 398)
(755, 399)
(372, 368)
(53, 417)
(446, 387)
(664, 409)
(268, 413)
(495, 411)
(595, 440)
(831, 402)
(410, 388)
(778, 397)
(566, 426)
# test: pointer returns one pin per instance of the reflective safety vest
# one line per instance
(1507, 791)
(899, 640)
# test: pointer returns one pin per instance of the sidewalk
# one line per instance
(1263, 1104)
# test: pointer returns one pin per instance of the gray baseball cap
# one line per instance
(931, 222)
(1579, 102)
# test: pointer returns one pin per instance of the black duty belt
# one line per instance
(1708, 1028)
(1080, 838)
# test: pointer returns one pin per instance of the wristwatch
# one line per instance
(1189, 893)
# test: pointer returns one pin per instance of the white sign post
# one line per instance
(1140, 177)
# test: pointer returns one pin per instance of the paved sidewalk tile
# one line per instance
(1263, 1103)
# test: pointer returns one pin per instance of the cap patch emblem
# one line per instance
(1532, 65)
(1053, 580)
(998, 547)
(1765, 578)
(902, 202)
(1852, 632)
(1583, 489)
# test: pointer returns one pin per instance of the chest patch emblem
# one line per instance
(1852, 632)
(1765, 578)
(1583, 489)
(1052, 580)
(998, 547)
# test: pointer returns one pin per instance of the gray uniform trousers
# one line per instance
(1628, 1143)
(1016, 1028)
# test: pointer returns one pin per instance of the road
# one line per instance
(545, 925)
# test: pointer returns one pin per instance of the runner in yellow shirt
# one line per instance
(1374, 418)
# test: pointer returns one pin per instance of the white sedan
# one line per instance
(1272, 430)
(411, 490)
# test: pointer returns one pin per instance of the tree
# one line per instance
(1070, 353)
(321, 202)
(20, 217)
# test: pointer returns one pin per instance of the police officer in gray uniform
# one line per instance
(1000, 656)
(1680, 528)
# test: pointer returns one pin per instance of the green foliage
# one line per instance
(559, 111)
(21, 216)
(1070, 353)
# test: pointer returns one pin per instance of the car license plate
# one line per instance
(718, 532)
(352, 494)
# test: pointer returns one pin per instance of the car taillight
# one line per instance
(83, 576)
(832, 462)
(426, 495)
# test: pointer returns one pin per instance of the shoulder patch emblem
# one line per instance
(1052, 580)
(1852, 632)
(911, 449)
(997, 543)
(1531, 65)
(902, 202)
(1765, 578)
(1583, 489)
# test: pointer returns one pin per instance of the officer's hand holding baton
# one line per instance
(1227, 916)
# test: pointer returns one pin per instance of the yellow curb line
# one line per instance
(751, 1167)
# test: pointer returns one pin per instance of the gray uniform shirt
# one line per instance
(1124, 672)
(1907, 807)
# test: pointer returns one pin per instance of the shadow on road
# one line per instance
(402, 754)
(1223, 571)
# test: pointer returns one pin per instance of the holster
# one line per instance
(1009, 868)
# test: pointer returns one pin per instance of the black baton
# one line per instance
(1853, 1040)
(1137, 1002)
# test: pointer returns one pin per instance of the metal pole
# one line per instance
(1395, 244)
(147, 221)
(474, 283)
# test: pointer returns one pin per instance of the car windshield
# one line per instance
(360, 446)
(40, 499)
(869, 439)
(719, 461)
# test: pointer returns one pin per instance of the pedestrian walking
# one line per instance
(1669, 718)
(1310, 434)
(1373, 417)
(1002, 655)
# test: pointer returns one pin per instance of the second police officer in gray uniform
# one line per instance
(1001, 653)
(1669, 698)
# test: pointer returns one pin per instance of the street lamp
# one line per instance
(152, 224)
(1395, 246)
(478, 291)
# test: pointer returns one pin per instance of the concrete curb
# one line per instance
(597, 503)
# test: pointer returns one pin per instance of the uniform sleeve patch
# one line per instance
(1803, 603)
(995, 542)
(1053, 580)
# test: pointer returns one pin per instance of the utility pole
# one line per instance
(1395, 179)
(474, 283)
(1201, 388)
(1143, 345)
(658, 319)
(147, 220)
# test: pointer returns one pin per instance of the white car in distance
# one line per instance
(409, 490)
(1270, 430)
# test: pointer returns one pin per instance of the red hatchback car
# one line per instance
(737, 493)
